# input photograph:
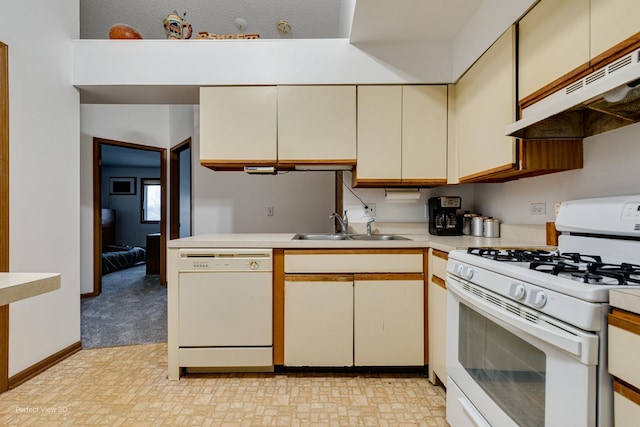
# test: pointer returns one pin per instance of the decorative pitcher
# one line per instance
(177, 27)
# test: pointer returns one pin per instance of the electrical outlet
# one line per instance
(269, 210)
(538, 209)
(370, 210)
(557, 208)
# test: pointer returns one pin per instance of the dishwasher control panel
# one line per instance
(225, 260)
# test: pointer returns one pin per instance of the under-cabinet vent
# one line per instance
(574, 87)
(503, 303)
(621, 63)
(637, 227)
(595, 76)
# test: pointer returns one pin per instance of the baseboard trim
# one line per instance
(43, 365)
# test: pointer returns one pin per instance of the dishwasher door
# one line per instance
(225, 309)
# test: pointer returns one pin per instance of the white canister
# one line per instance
(477, 226)
(491, 227)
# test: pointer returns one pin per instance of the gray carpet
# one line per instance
(132, 309)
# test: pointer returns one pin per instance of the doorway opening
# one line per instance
(180, 185)
(128, 302)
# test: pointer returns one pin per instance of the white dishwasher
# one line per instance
(225, 308)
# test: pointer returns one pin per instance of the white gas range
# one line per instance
(526, 329)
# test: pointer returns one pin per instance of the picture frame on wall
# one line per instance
(122, 185)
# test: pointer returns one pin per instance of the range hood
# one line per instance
(606, 99)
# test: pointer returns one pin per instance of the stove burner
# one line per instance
(580, 267)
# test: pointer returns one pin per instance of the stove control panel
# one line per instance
(631, 212)
(518, 291)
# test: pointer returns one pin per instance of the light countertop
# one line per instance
(625, 299)
(512, 237)
(19, 286)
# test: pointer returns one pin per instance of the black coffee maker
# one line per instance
(443, 216)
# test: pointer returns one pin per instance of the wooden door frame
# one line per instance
(174, 189)
(4, 210)
(97, 209)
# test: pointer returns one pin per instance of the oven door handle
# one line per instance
(580, 344)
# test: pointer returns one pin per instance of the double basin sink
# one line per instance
(339, 236)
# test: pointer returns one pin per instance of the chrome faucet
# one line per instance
(369, 222)
(344, 221)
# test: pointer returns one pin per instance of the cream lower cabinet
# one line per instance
(437, 313)
(318, 327)
(388, 320)
(353, 307)
(402, 135)
(624, 347)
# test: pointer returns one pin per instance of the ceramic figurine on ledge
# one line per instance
(177, 27)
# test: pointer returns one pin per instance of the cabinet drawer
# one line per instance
(626, 405)
(624, 346)
(370, 261)
(438, 263)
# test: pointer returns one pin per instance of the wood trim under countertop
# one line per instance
(440, 254)
(626, 390)
(318, 277)
(278, 306)
(388, 276)
(624, 320)
(438, 281)
(360, 251)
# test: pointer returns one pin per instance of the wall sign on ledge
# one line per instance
(203, 35)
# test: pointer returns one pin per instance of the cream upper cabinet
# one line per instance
(553, 40)
(317, 123)
(402, 135)
(612, 21)
(238, 124)
(424, 133)
(485, 105)
(379, 133)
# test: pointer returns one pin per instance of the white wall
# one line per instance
(610, 168)
(44, 174)
(401, 211)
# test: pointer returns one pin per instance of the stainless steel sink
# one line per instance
(327, 236)
(377, 237)
(319, 236)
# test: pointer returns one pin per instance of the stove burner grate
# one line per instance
(580, 267)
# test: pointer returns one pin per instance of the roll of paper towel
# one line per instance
(402, 196)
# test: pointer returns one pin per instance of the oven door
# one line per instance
(511, 365)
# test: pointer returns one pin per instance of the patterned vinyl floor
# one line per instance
(127, 386)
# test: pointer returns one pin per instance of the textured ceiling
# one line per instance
(308, 18)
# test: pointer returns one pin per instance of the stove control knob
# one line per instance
(538, 299)
(518, 291)
(459, 269)
(468, 274)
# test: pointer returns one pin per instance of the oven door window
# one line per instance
(510, 370)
